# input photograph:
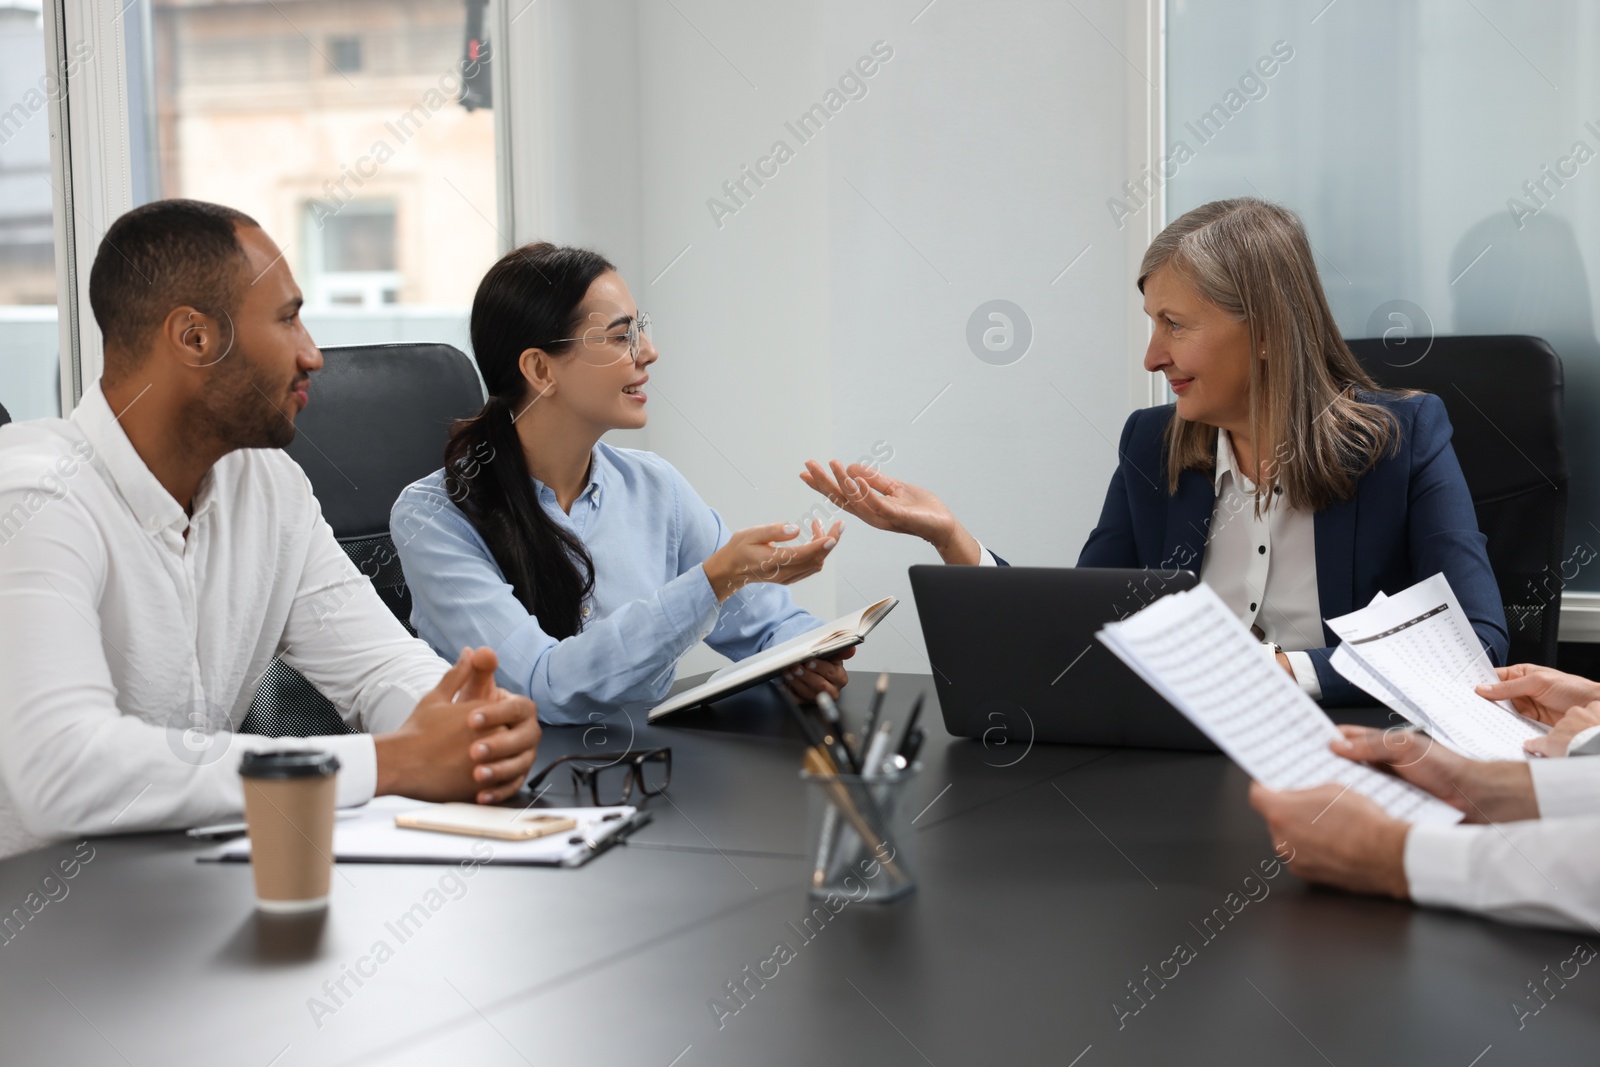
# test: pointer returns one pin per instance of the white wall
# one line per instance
(828, 312)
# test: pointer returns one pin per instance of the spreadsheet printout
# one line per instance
(1421, 647)
(1195, 652)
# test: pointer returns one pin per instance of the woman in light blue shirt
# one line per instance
(590, 570)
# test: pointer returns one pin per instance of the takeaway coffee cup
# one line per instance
(288, 806)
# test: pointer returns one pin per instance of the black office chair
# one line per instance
(378, 420)
(5, 416)
(1504, 399)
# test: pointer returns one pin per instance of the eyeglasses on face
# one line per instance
(601, 349)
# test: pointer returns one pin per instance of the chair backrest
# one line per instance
(378, 420)
(1503, 394)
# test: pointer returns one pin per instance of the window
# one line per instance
(30, 378)
(352, 260)
(338, 125)
(345, 54)
(1443, 157)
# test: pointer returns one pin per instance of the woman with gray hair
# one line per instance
(1282, 474)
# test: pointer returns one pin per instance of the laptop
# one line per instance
(1015, 658)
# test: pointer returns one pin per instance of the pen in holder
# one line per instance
(860, 833)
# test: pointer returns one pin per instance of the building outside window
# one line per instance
(337, 125)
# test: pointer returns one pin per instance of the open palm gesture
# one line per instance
(889, 504)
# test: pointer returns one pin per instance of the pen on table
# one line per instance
(234, 829)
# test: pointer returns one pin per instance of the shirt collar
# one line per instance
(1227, 464)
(144, 494)
(599, 472)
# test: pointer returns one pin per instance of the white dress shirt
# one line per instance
(1264, 566)
(129, 632)
(1543, 872)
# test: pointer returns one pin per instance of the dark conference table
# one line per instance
(1051, 877)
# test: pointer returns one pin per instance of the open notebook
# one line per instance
(1416, 652)
(836, 636)
(1195, 652)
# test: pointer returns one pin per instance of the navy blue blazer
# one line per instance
(1411, 517)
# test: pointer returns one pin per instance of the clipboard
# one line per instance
(373, 837)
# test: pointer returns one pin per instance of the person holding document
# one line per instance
(1537, 861)
(589, 569)
(1281, 474)
(158, 549)
(1567, 703)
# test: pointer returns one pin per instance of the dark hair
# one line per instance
(526, 300)
(160, 256)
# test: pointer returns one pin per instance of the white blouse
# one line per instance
(1264, 566)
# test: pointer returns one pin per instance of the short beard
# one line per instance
(237, 409)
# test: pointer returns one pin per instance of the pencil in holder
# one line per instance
(860, 836)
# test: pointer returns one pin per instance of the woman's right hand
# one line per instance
(1541, 693)
(757, 554)
(899, 507)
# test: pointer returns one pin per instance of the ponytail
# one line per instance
(526, 299)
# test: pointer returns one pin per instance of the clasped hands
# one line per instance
(468, 739)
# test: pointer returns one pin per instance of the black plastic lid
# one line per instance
(301, 764)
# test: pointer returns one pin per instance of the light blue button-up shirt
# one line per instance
(648, 532)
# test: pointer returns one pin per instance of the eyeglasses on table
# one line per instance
(613, 780)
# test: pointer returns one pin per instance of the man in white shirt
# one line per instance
(158, 548)
(1537, 861)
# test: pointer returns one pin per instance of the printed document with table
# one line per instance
(1417, 653)
(1195, 652)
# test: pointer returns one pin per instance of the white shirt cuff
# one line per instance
(985, 557)
(1438, 862)
(391, 709)
(358, 770)
(1585, 743)
(1566, 787)
(1305, 672)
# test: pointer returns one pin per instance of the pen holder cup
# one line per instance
(859, 835)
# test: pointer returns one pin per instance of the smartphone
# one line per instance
(483, 820)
